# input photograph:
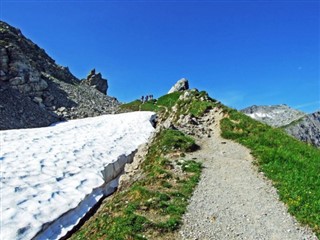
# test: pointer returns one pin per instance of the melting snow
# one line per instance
(48, 172)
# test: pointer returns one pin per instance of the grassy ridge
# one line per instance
(153, 206)
(165, 102)
(293, 166)
(196, 104)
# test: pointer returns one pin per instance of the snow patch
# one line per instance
(51, 177)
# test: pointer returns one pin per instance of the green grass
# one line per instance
(293, 166)
(196, 104)
(172, 140)
(137, 105)
(132, 106)
(151, 207)
(169, 100)
(164, 102)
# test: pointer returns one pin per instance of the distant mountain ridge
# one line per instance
(36, 92)
(305, 127)
(274, 115)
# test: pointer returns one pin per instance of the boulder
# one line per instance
(180, 86)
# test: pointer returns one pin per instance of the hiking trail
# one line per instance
(233, 200)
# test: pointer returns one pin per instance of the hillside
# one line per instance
(36, 92)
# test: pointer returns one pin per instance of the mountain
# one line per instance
(305, 127)
(36, 92)
(274, 115)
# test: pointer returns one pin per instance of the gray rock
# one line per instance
(19, 111)
(37, 100)
(180, 86)
(95, 80)
(17, 81)
(61, 109)
(3, 63)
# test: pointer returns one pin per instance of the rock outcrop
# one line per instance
(298, 124)
(95, 80)
(36, 92)
(180, 86)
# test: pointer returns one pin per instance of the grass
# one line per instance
(169, 100)
(196, 104)
(132, 106)
(151, 207)
(165, 102)
(293, 166)
(172, 140)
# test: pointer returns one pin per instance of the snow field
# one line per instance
(48, 172)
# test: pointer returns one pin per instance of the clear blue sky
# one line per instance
(241, 52)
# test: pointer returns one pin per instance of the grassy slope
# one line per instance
(163, 103)
(293, 166)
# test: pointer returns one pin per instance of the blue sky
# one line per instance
(241, 52)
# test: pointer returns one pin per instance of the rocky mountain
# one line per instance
(36, 92)
(296, 123)
(306, 129)
(274, 115)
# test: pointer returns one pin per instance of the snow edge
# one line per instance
(64, 224)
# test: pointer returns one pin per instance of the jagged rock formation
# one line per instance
(36, 92)
(181, 85)
(301, 126)
(275, 115)
(306, 129)
(95, 80)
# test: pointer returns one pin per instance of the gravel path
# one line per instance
(233, 200)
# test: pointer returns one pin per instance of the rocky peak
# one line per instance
(273, 115)
(36, 92)
(21, 58)
(95, 80)
(180, 86)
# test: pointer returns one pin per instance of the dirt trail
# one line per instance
(233, 200)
